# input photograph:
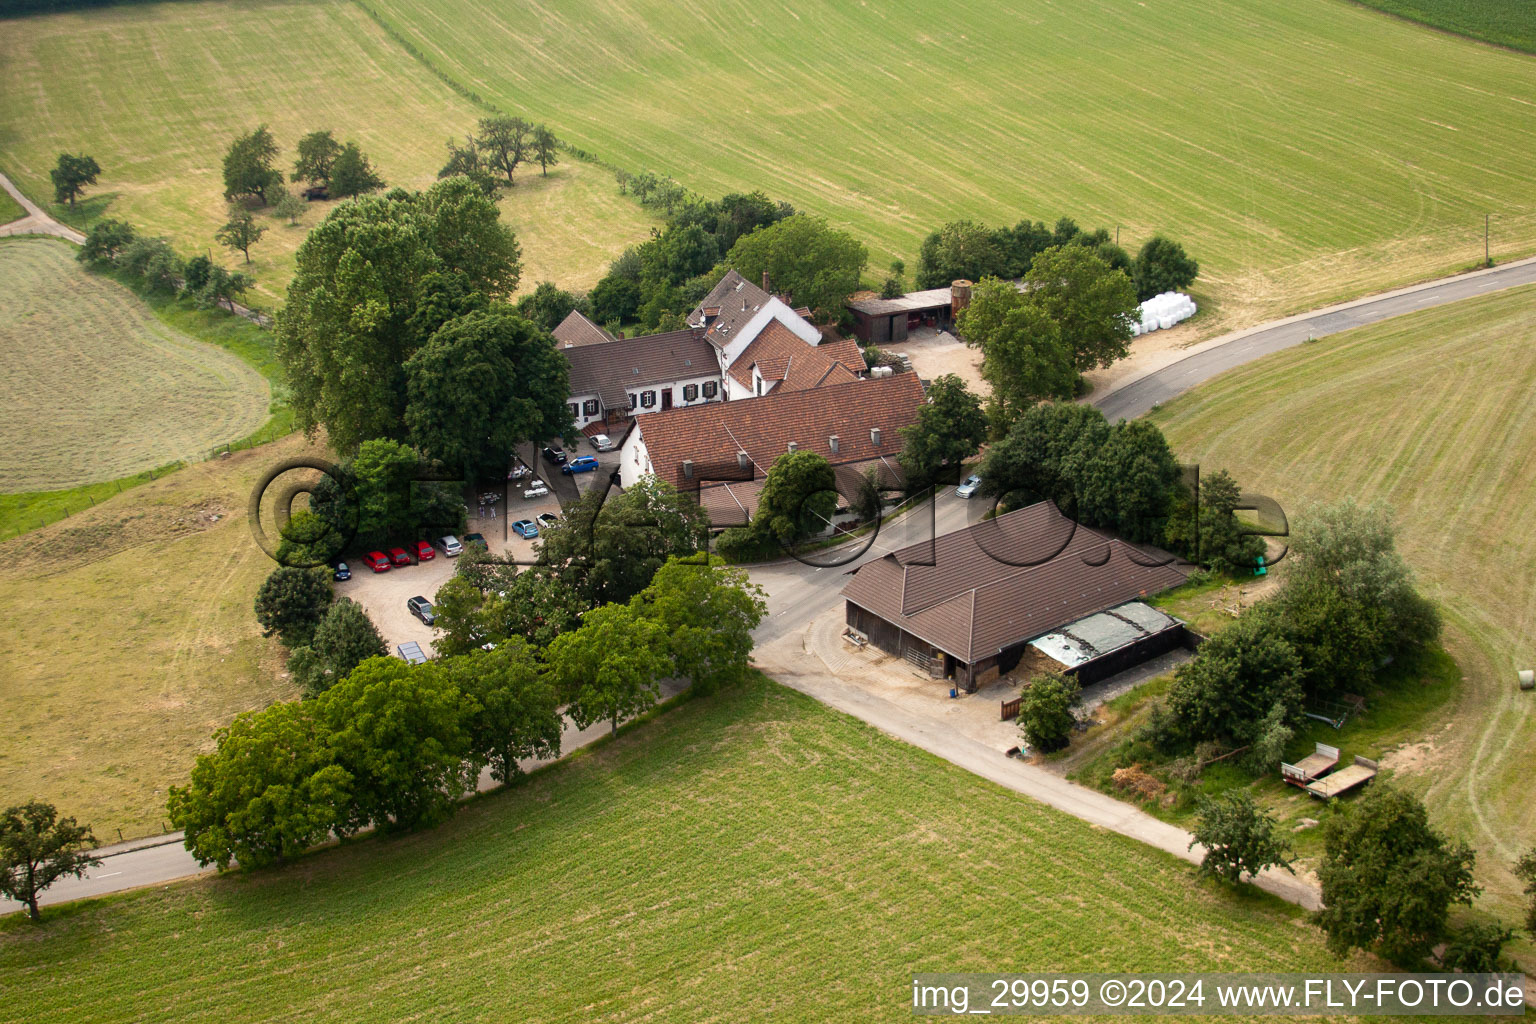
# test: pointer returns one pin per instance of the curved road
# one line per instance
(798, 593)
(1136, 397)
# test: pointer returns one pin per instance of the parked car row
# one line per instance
(380, 561)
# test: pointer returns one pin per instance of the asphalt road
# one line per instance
(1137, 397)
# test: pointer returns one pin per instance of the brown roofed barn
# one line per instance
(964, 605)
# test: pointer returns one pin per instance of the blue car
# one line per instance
(525, 528)
(581, 464)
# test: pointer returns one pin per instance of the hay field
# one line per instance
(155, 92)
(751, 856)
(1434, 412)
(1306, 150)
(130, 639)
(96, 387)
(10, 209)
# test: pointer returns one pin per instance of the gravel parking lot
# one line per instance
(383, 595)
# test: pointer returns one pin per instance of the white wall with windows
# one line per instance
(674, 395)
(584, 409)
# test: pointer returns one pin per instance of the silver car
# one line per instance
(602, 442)
(968, 486)
(451, 546)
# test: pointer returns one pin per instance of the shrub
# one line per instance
(1045, 711)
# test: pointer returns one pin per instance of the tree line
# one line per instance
(394, 746)
(964, 249)
(151, 263)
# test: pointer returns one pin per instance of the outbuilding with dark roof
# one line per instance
(965, 605)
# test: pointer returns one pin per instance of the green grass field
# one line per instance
(751, 856)
(155, 92)
(1436, 413)
(10, 209)
(97, 386)
(1305, 150)
(1505, 22)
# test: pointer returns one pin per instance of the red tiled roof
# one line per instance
(781, 355)
(711, 435)
(1006, 581)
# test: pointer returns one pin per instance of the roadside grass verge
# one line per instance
(10, 209)
(751, 849)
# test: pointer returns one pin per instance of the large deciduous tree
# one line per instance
(1162, 265)
(1389, 879)
(317, 155)
(949, 429)
(960, 250)
(611, 553)
(248, 165)
(798, 498)
(269, 791)
(1093, 303)
(1230, 687)
(291, 602)
(374, 281)
(546, 149)
(352, 174)
(402, 733)
(105, 242)
(707, 612)
(1211, 534)
(1023, 355)
(37, 848)
(504, 142)
(815, 264)
(610, 668)
(481, 384)
(70, 176)
(518, 708)
(344, 638)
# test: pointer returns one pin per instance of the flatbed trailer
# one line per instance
(1312, 767)
(1345, 779)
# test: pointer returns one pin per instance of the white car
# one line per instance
(602, 442)
(968, 486)
(536, 490)
(450, 546)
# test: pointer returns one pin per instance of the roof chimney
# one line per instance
(832, 443)
(793, 446)
(743, 460)
(874, 436)
(765, 282)
(687, 469)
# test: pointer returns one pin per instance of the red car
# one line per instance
(399, 557)
(424, 551)
(377, 562)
